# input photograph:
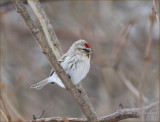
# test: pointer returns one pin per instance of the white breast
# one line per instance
(78, 71)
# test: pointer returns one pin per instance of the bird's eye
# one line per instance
(84, 49)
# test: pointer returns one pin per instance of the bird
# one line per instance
(75, 62)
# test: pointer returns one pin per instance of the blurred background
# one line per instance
(118, 32)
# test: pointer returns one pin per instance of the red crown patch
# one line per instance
(87, 45)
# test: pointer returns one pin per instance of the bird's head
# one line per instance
(81, 49)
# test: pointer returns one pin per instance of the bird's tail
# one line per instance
(40, 84)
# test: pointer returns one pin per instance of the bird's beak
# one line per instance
(89, 52)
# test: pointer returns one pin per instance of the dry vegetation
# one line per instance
(124, 37)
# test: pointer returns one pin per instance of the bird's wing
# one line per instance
(60, 61)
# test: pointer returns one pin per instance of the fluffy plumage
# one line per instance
(76, 63)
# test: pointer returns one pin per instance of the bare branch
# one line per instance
(6, 103)
(5, 118)
(155, 10)
(147, 55)
(115, 58)
(121, 41)
(130, 86)
(46, 46)
(5, 107)
(114, 117)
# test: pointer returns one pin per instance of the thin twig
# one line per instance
(130, 86)
(5, 118)
(116, 55)
(155, 11)
(41, 114)
(104, 80)
(121, 41)
(12, 108)
(147, 56)
(5, 107)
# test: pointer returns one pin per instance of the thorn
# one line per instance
(121, 106)
(41, 114)
(34, 117)
(69, 76)
(79, 91)
(44, 52)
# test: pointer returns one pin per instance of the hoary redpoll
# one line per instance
(76, 63)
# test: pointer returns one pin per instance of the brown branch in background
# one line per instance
(114, 117)
(10, 108)
(104, 80)
(154, 8)
(128, 84)
(3, 103)
(5, 118)
(5, 108)
(115, 59)
(121, 41)
(147, 55)
(47, 48)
